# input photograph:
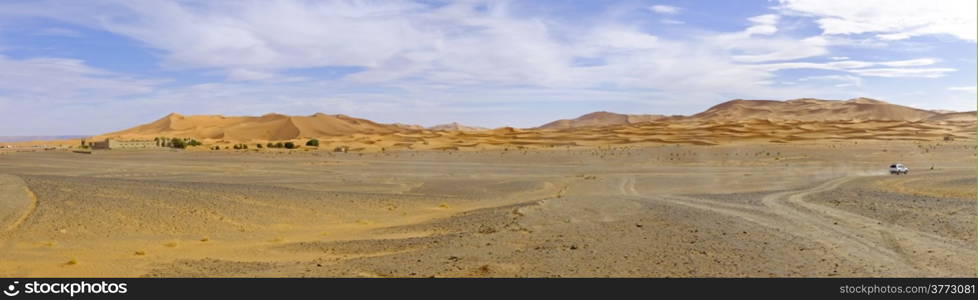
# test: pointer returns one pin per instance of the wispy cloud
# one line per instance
(901, 68)
(672, 22)
(890, 20)
(971, 89)
(763, 24)
(62, 80)
(903, 72)
(842, 81)
(665, 9)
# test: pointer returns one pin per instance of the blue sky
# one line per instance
(89, 67)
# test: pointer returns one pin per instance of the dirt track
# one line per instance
(893, 248)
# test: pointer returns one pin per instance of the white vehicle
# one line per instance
(898, 169)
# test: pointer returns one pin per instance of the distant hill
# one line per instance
(271, 127)
(808, 109)
(954, 117)
(11, 139)
(601, 118)
(268, 127)
(455, 126)
(805, 109)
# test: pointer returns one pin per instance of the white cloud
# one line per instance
(904, 72)
(768, 19)
(61, 80)
(889, 19)
(910, 63)
(971, 89)
(757, 43)
(780, 49)
(461, 43)
(665, 9)
(249, 36)
(43, 95)
(901, 68)
(843, 80)
(763, 25)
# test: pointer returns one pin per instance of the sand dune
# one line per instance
(601, 118)
(729, 122)
(807, 109)
(267, 127)
(689, 132)
(968, 116)
(455, 126)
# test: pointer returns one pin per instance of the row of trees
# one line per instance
(291, 145)
(286, 145)
(179, 143)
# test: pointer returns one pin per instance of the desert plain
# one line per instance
(744, 199)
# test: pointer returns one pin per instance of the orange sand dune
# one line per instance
(267, 127)
(807, 109)
(732, 121)
(455, 126)
(601, 118)
(968, 116)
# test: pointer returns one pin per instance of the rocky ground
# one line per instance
(753, 209)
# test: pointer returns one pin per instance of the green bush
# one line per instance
(290, 145)
(279, 145)
(258, 146)
(313, 142)
(178, 143)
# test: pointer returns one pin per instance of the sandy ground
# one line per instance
(803, 208)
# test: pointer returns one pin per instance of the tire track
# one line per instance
(882, 248)
(894, 241)
(627, 186)
(16, 197)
